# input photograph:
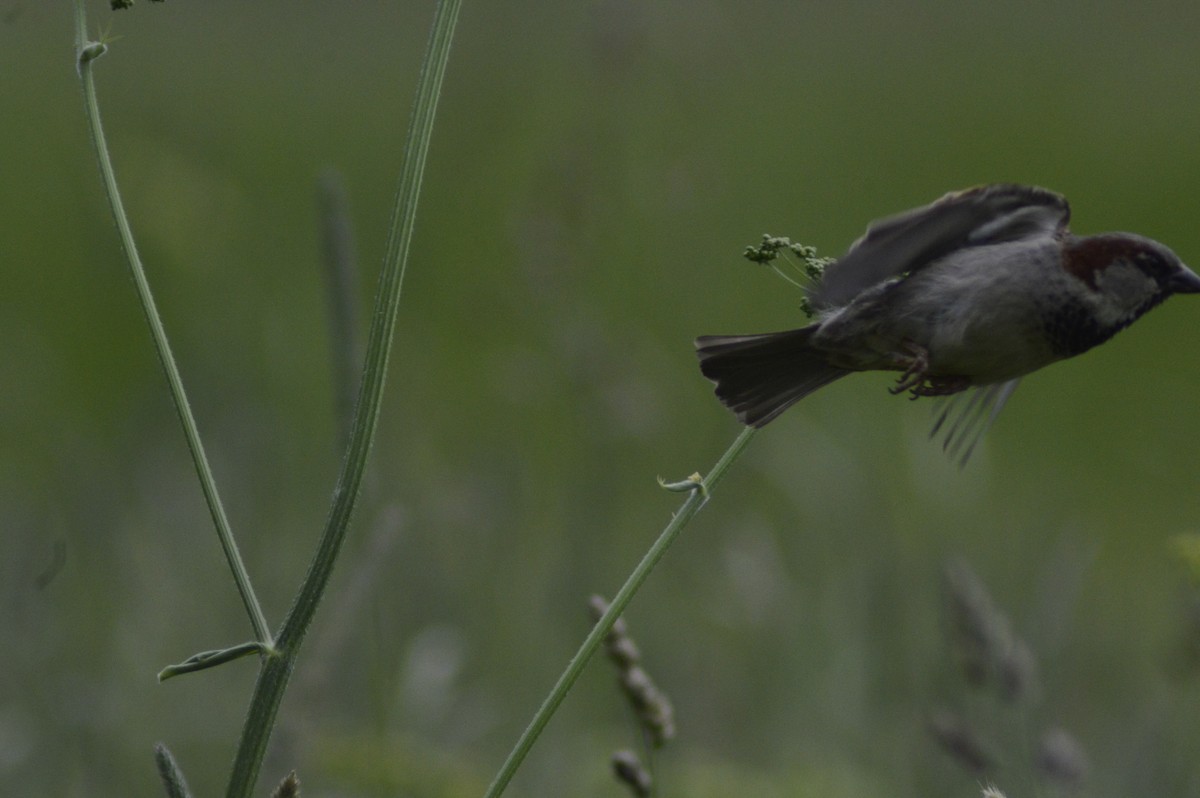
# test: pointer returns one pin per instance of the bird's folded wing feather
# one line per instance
(908, 241)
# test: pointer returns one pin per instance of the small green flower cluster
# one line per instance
(810, 265)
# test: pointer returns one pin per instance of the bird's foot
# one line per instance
(914, 363)
(916, 379)
(941, 386)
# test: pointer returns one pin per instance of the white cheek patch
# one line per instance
(1121, 291)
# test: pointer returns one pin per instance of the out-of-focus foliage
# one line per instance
(597, 170)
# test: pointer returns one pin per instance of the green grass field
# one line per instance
(595, 173)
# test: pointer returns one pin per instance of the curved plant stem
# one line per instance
(87, 53)
(273, 677)
(697, 498)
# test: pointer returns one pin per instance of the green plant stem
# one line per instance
(696, 500)
(341, 281)
(209, 486)
(273, 678)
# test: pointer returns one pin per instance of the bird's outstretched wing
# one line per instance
(903, 243)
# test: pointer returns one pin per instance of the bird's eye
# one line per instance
(1153, 264)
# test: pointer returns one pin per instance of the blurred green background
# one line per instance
(596, 170)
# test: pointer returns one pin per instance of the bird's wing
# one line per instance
(970, 415)
(910, 240)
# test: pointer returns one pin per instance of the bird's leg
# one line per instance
(916, 378)
(915, 364)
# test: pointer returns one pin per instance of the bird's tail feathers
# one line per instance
(760, 376)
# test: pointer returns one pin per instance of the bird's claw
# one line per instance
(916, 378)
(916, 369)
(941, 386)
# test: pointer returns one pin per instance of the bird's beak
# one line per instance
(1184, 281)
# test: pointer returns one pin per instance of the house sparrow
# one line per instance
(975, 290)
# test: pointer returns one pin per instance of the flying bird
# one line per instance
(969, 293)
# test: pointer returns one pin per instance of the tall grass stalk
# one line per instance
(699, 489)
(273, 677)
(86, 55)
(278, 657)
